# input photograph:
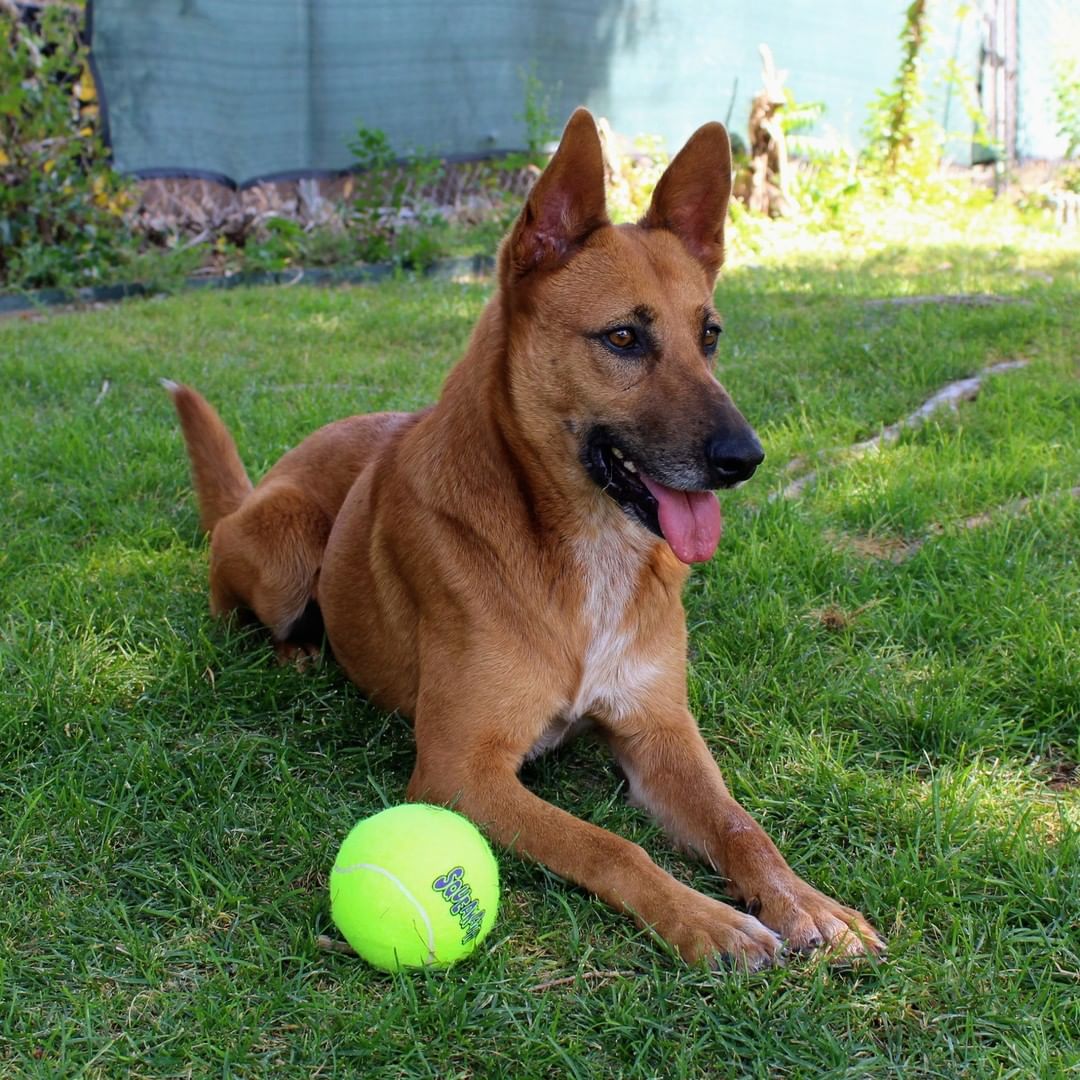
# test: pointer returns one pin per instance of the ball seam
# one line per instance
(404, 892)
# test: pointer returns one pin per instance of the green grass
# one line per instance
(170, 801)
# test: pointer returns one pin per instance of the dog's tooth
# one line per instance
(629, 466)
(617, 452)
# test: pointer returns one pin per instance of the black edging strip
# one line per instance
(11, 303)
(177, 172)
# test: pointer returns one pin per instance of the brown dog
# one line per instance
(507, 564)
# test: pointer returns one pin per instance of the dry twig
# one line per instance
(947, 397)
(569, 980)
(897, 550)
(329, 944)
(1015, 508)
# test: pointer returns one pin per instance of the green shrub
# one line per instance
(61, 205)
(392, 219)
(636, 176)
(281, 246)
(1067, 104)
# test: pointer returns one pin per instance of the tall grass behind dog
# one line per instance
(506, 566)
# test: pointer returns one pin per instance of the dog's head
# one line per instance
(613, 334)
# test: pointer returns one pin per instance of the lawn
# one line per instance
(887, 667)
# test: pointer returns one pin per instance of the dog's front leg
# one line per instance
(468, 754)
(672, 773)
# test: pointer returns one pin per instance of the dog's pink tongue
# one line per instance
(690, 520)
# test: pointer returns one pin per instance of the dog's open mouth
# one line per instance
(689, 521)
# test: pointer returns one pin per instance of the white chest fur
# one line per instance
(614, 671)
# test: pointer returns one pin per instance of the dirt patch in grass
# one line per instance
(835, 619)
(894, 549)
(1063, 775)
(953, 299)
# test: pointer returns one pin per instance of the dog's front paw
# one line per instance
(807, 919)
(706, 931)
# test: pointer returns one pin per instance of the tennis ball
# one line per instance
(414, 885)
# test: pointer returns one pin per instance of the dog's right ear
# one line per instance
(565, 205)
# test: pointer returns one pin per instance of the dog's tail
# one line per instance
(221, 484)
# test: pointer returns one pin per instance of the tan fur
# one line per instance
(471, 573)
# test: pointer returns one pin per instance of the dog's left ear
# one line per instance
(691, 198)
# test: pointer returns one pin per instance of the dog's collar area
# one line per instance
(616, 473)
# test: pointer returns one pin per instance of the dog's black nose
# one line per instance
(734, 455)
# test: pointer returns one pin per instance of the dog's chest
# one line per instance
(614, 669)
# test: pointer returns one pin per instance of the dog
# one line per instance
(506, 566)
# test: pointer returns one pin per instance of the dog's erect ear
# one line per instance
(565, 205)
(692, 196)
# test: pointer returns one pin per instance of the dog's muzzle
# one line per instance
(670, 497)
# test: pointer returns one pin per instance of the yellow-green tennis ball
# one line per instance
(414, 885)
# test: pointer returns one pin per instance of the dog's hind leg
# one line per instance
(265, 558)
(266, 544)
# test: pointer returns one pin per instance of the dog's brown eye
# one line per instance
(711, 337)
(622, 338)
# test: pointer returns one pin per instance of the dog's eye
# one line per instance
(711, 337)
(622, 338)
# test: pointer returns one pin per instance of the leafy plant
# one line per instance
(61, 204)
(1069, 177)
(280, 247)
(1067, 104)
(798, 119)
(371, 150)
(540, 126)
(904, 144)
(393, 220)
(960, 80)
(636, 176)
(826, 183)
(421, 242)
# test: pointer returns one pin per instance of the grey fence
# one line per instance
(251, 88)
